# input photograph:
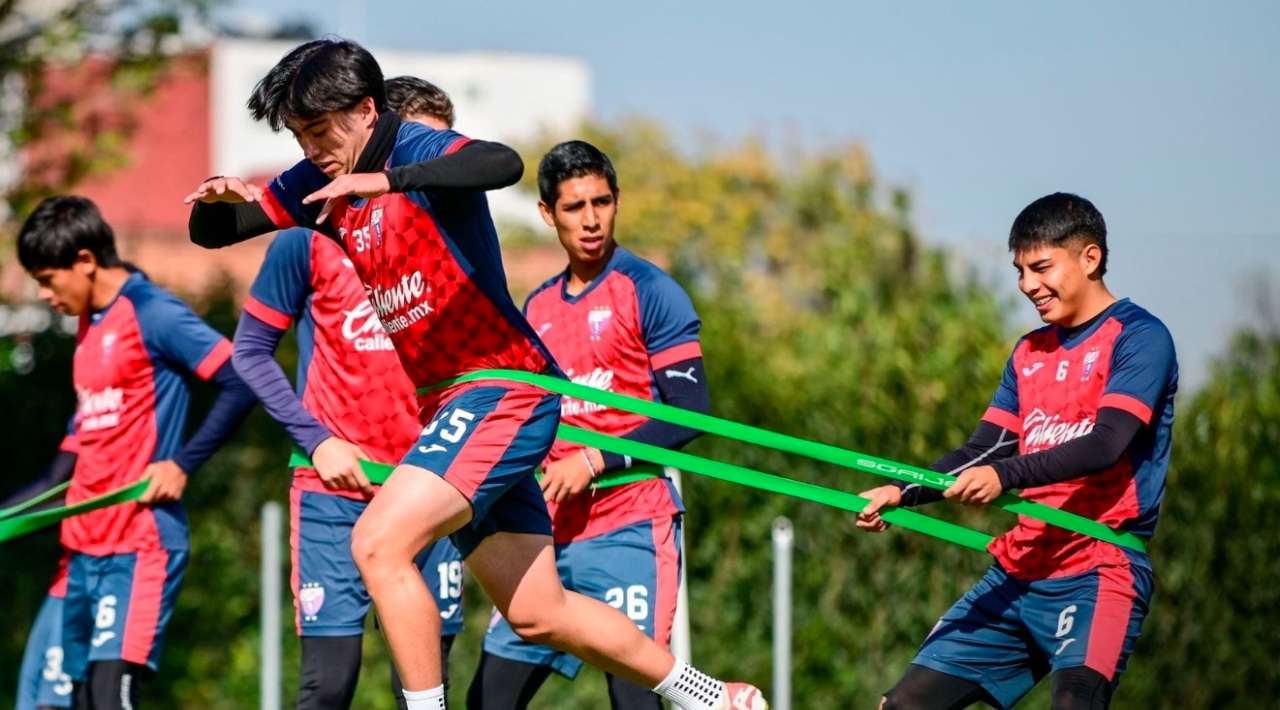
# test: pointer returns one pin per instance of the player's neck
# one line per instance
(107, 283)
(1097, 299)
(582, 273)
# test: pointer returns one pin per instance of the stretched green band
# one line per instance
(34, 501)
(378, 472)
(803, 447)
(31, 522)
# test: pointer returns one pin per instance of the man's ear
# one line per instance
(1091, 259)
(86, 263)
(548, 214)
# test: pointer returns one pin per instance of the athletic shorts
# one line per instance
(42, 682)
(1005, 634)
(486, 440)
(117, 607)
(329, 597)
(635, 569)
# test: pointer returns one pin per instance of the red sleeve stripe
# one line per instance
(675, 353)
(267, 314)
(455, 146)
(276, 212)
(1127, 403)
(1001, 418)
(214, 360)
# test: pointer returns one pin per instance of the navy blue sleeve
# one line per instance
(1144, 369)
(182, 338)
(254, 359)
(669, 324)
(1003, 411)
(283, 200)
(229, 409)
(1096, 451)
(279, 292)
(988, 444)
(683, 385)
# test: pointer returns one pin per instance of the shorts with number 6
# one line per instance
(117, 607)
(1005, 633)
(486, 440)
(635, 569)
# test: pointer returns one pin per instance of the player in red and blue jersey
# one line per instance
(616, 322)
(353, 401)
(135, 347)
(1082, 421)
(407, 205)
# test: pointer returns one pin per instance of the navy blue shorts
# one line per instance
(486, 440)
(635, 569)
(117, 607)
(42, 682)
(329, 597)
(1006, 634)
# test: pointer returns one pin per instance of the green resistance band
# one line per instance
(31, 522)
(803, 447)
(378, 472)
(34, 501)
(909, 519)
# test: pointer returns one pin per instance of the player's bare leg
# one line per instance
(518, 572)
(413, 509)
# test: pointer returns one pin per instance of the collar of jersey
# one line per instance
(1069, 342)
(95, 316)
(599, 279)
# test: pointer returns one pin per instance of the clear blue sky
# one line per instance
(1166, 114)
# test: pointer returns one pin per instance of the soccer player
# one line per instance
(1082, 420)
(354, 401)
(614, 321)
(136, 344)
(408, 207)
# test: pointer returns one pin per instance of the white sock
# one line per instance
(432, 699)
(690, 688)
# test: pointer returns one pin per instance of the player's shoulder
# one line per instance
(416, 142)
(643, 273)
(154, 306)
(1043, 338)
(1141, 327)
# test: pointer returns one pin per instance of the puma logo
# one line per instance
(682, 375)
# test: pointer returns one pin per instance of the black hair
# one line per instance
(572, 159)
(327, 74)
(407, 95)
(1057, 220)
(59, 228)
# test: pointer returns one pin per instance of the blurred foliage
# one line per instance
(120, 49)
(824, 316)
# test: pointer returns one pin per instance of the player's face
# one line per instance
(426, 119)
(333, 140)
(1056, 279)
(583, 217)
(67, 291)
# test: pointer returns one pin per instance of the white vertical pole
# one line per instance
(681, 642)
(269, 691)
(783, 537)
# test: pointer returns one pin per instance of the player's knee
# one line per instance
(1080, 689)
(370, 549)
(534, 623)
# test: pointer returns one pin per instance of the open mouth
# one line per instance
(1044, 303)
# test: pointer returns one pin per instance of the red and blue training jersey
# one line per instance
(430, 264)
(348, 377)
(130, 365)
(631, 321)
(1052, 389)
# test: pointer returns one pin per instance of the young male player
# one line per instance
(408, 206)
(136, 344)
(1082, 421)
(614, 321)
(353, 401)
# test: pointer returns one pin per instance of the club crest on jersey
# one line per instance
(1090, 359)
(375, 221)
(597, 320)
(311, 598)
(108, 344)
